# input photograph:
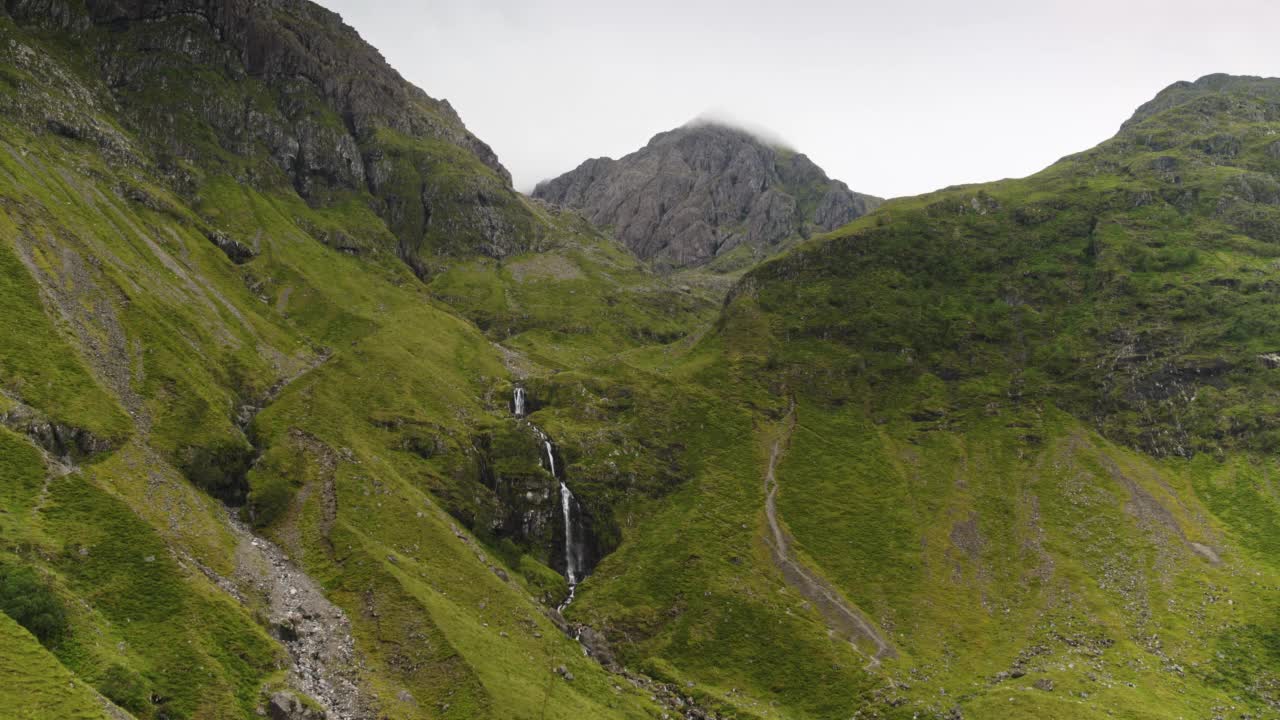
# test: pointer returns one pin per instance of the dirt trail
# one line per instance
(842, 617)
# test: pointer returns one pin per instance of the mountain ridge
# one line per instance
(291, 94)
(1186, 91)
(1020, 434)
(695, 194)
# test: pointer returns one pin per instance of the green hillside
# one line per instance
(1033, 435)
(999, 451)
(174, 342)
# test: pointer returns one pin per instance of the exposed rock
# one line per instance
(1254, 187)
(325, 663)
(334, 117)
(527, 498)
(698, 192)
(1209, 88)
(285, 705)
(238, 252)
(63, 442)
(966, 535)
(1206, 552)
(597, 646)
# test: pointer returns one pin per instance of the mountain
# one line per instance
(707, 193)
(1015, 441)
(305, 413)
(282, 93)
(252, 461)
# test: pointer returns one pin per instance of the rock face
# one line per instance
(275, 91)
(63, 442)
(699, 192)
(1214, 92)
(527, 474)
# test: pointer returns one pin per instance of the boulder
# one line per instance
(284, 705)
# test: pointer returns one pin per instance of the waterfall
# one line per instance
(570, 562)
(573, 565)
(551, 457)
(567, 501)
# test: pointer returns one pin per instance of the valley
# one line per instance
(306, 413)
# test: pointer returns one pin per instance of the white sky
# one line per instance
(895, 97)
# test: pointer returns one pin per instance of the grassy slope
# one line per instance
(955, 358)
(579, 300)
(1021, 408)
(429, 614)
(35, 686)
(140, 308)
(954, 345)
(936, 343)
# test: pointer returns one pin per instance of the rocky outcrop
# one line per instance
(277, 91)
(529, 500)
(65, 443)
(1212, 91)
(236, 251)
(696, 193)
(284, 705)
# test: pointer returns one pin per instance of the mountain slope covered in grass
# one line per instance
(1032, 442)
(191, 321)
(266, 310)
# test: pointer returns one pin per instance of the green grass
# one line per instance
(1018, 404)
(35, 686)
(578, 301)
(36, 363)
(200, 338)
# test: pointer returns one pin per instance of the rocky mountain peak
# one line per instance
(1262, 95)
(697, 193)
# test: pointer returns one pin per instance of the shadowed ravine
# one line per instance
(841, 616)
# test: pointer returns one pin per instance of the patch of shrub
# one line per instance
(269, 500)
(221, 470)
(127, 689)
(32, 603)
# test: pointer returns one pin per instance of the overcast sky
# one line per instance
(895, 97)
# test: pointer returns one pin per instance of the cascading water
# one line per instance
(567, 501)
(574, 564)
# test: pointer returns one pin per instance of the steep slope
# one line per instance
(260, 440)
(1033, 447)
(707, 192)
(187, 323)
(34, 679)
(282, 93)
